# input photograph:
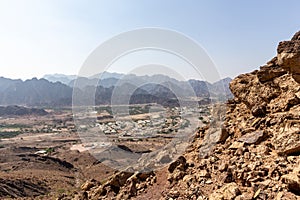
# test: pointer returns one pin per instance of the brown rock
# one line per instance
(87, 185)
(203, 173)
(268, 73)
(181, 161)
(227, 192)
(253, 137)
(286, 196)
(212, 137)
(119, 179)
(176, 175)
(259, 110)
(292, 150)
(236, 145)
(288, 54)
(293, 182)
(223, 167)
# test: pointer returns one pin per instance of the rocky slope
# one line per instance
(256, 155)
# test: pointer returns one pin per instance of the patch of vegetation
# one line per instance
(49, 150)
(9, 134)
(104, 108)
(134, 110)
(14, 126)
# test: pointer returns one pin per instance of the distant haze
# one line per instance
(59, 90)
(52, 36)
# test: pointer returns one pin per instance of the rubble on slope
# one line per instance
(256, 154)
(261, 157)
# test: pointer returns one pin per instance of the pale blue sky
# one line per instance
(39, 37)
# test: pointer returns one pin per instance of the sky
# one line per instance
(40, 37)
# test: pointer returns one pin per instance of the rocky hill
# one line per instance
(34, 92)
(256, 154)
(45, 93)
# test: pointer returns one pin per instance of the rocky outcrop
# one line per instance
(256, 152)
(289, 56)
(260, 156)
(268, 100)
(122, 185)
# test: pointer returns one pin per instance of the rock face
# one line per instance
(289, 56)
(268, 100)
(256, 153)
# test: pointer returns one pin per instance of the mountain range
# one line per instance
(57, 89)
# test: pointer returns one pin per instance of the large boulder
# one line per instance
(288, 56)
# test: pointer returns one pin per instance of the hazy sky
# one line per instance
(39, 37)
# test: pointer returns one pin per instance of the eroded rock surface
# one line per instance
(255, 154)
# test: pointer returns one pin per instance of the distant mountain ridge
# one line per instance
(34, 92)
(65, 79)
(57, 89)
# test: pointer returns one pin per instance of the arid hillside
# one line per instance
(256, 154)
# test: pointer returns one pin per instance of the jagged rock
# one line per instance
(203, 173)
(259, 110)
(212, 137)
(187, 179)
(253, 137)
(288, 54)
(267, 73)
(223, 167)
(293, 180)
(165, 159)
(286, 196)
(174, 194)
(176, 175)
(180, 162)
(97, 192)
(245, 196)
(227, 192)
(249, 90)
(88, 185)
(236, 145)
(253, 154)
(82, 196)
(119, 179)
(292, 150)
(266, 101)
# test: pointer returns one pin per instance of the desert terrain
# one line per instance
(46, 157)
